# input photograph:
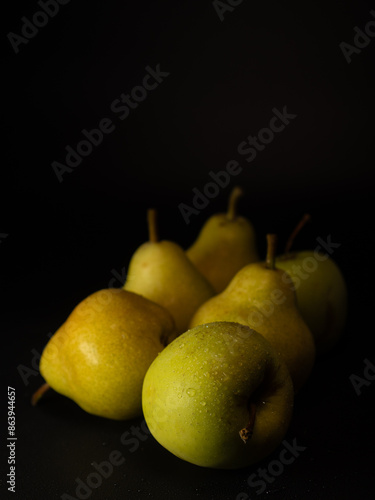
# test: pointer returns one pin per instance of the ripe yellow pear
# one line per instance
(100, 355)
(259, 297)
(218, 396)
(225, 244)
(161, 272)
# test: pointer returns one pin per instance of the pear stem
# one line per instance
(235, 195)
(296, 230)
(152, 226)
(271, 251)
(39, 393)
(247, 432)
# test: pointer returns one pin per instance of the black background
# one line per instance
(68, 239)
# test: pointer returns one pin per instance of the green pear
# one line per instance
(100, 355)
(259, 297)
(161, 272)
(225, 244)
(321, 294)
(320, 288)
(218, 396)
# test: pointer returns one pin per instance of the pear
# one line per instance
(225, 244)
(161, 272)
(321, 292)
(100, 355)
(218, 396)
(259, 297)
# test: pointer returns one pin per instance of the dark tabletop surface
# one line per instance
(220, 81)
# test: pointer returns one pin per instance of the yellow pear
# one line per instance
(161, 272)
(225, 244)
(259, 297)
(100, 355)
